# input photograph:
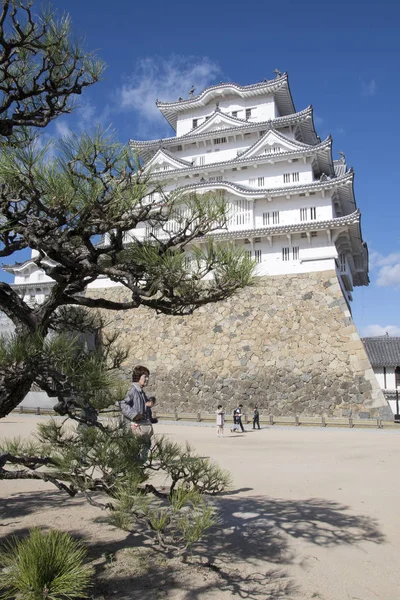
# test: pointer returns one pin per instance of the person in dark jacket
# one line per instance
(151, 400)
(237, 419)
(256, 418)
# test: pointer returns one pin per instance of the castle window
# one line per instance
(194, 123)
(397, 376)
(286, 178)
(261, 182)
(252, 181)
(303, 214)
(218, 178)
(285, 254)
(221, 140)
(314, 234)
(275, 217)
(295, 253)
(303, 235)
(248, 113)
(258, 256)
(261, 133)
(202, 160)
(295, 177)
(266, 218)
(313, 213)
(234, 113)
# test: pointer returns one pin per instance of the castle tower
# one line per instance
(292, 206)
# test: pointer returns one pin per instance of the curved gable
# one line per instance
(273, 142)
(164, 161)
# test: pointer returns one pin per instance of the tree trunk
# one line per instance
(15, 383)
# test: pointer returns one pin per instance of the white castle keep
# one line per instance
(292, 206)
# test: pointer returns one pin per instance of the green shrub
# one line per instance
(44, 566)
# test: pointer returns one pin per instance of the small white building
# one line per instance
(384, 355)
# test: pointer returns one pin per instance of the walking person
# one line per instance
(220, 420)
(133, 409)
(256, 418)
(237, 419)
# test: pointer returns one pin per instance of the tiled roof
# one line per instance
(383, 351)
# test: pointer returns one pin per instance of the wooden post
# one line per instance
(21, 409)
(323, 421)
(271, 419)
(199, 416)
(297, 420)
(38, 410)
(176, 416)
(351, 422)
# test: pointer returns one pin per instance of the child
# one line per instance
(220, 420)
(150, 402)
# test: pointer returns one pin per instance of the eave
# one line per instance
(269, 193)
(279, 87)
(305, 226)
(323, 153)
(304, 119)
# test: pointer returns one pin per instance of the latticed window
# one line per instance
(248, 113)
(397, 377)
(313, 213)
(295, 253)
(285, 254)
(303, 214)
(286, 178)
(194, 123)
(295, 177)
(266, 218)
(220, 140)
(258, 256)
(260, 182)
(275, 217)
(241, 212)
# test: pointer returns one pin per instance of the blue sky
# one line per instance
(342, 57)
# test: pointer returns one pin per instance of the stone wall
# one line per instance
(287, 344)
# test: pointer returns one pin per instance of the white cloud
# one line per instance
(376, 330)
(368, 88)
(389, 276)
(62, 129)
(165, 79)
(379, 260)
(388, 268)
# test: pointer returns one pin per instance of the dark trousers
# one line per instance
(239, 422)
(256, 421)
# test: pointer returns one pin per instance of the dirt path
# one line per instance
(313, 513)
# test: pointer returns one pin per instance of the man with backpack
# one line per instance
(237, 419)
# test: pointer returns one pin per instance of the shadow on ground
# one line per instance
(246, 556)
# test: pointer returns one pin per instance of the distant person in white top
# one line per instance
(220, 420)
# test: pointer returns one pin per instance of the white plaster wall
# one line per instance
(390, 377)
(31, 274)
(264, 109)
(380, 377)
